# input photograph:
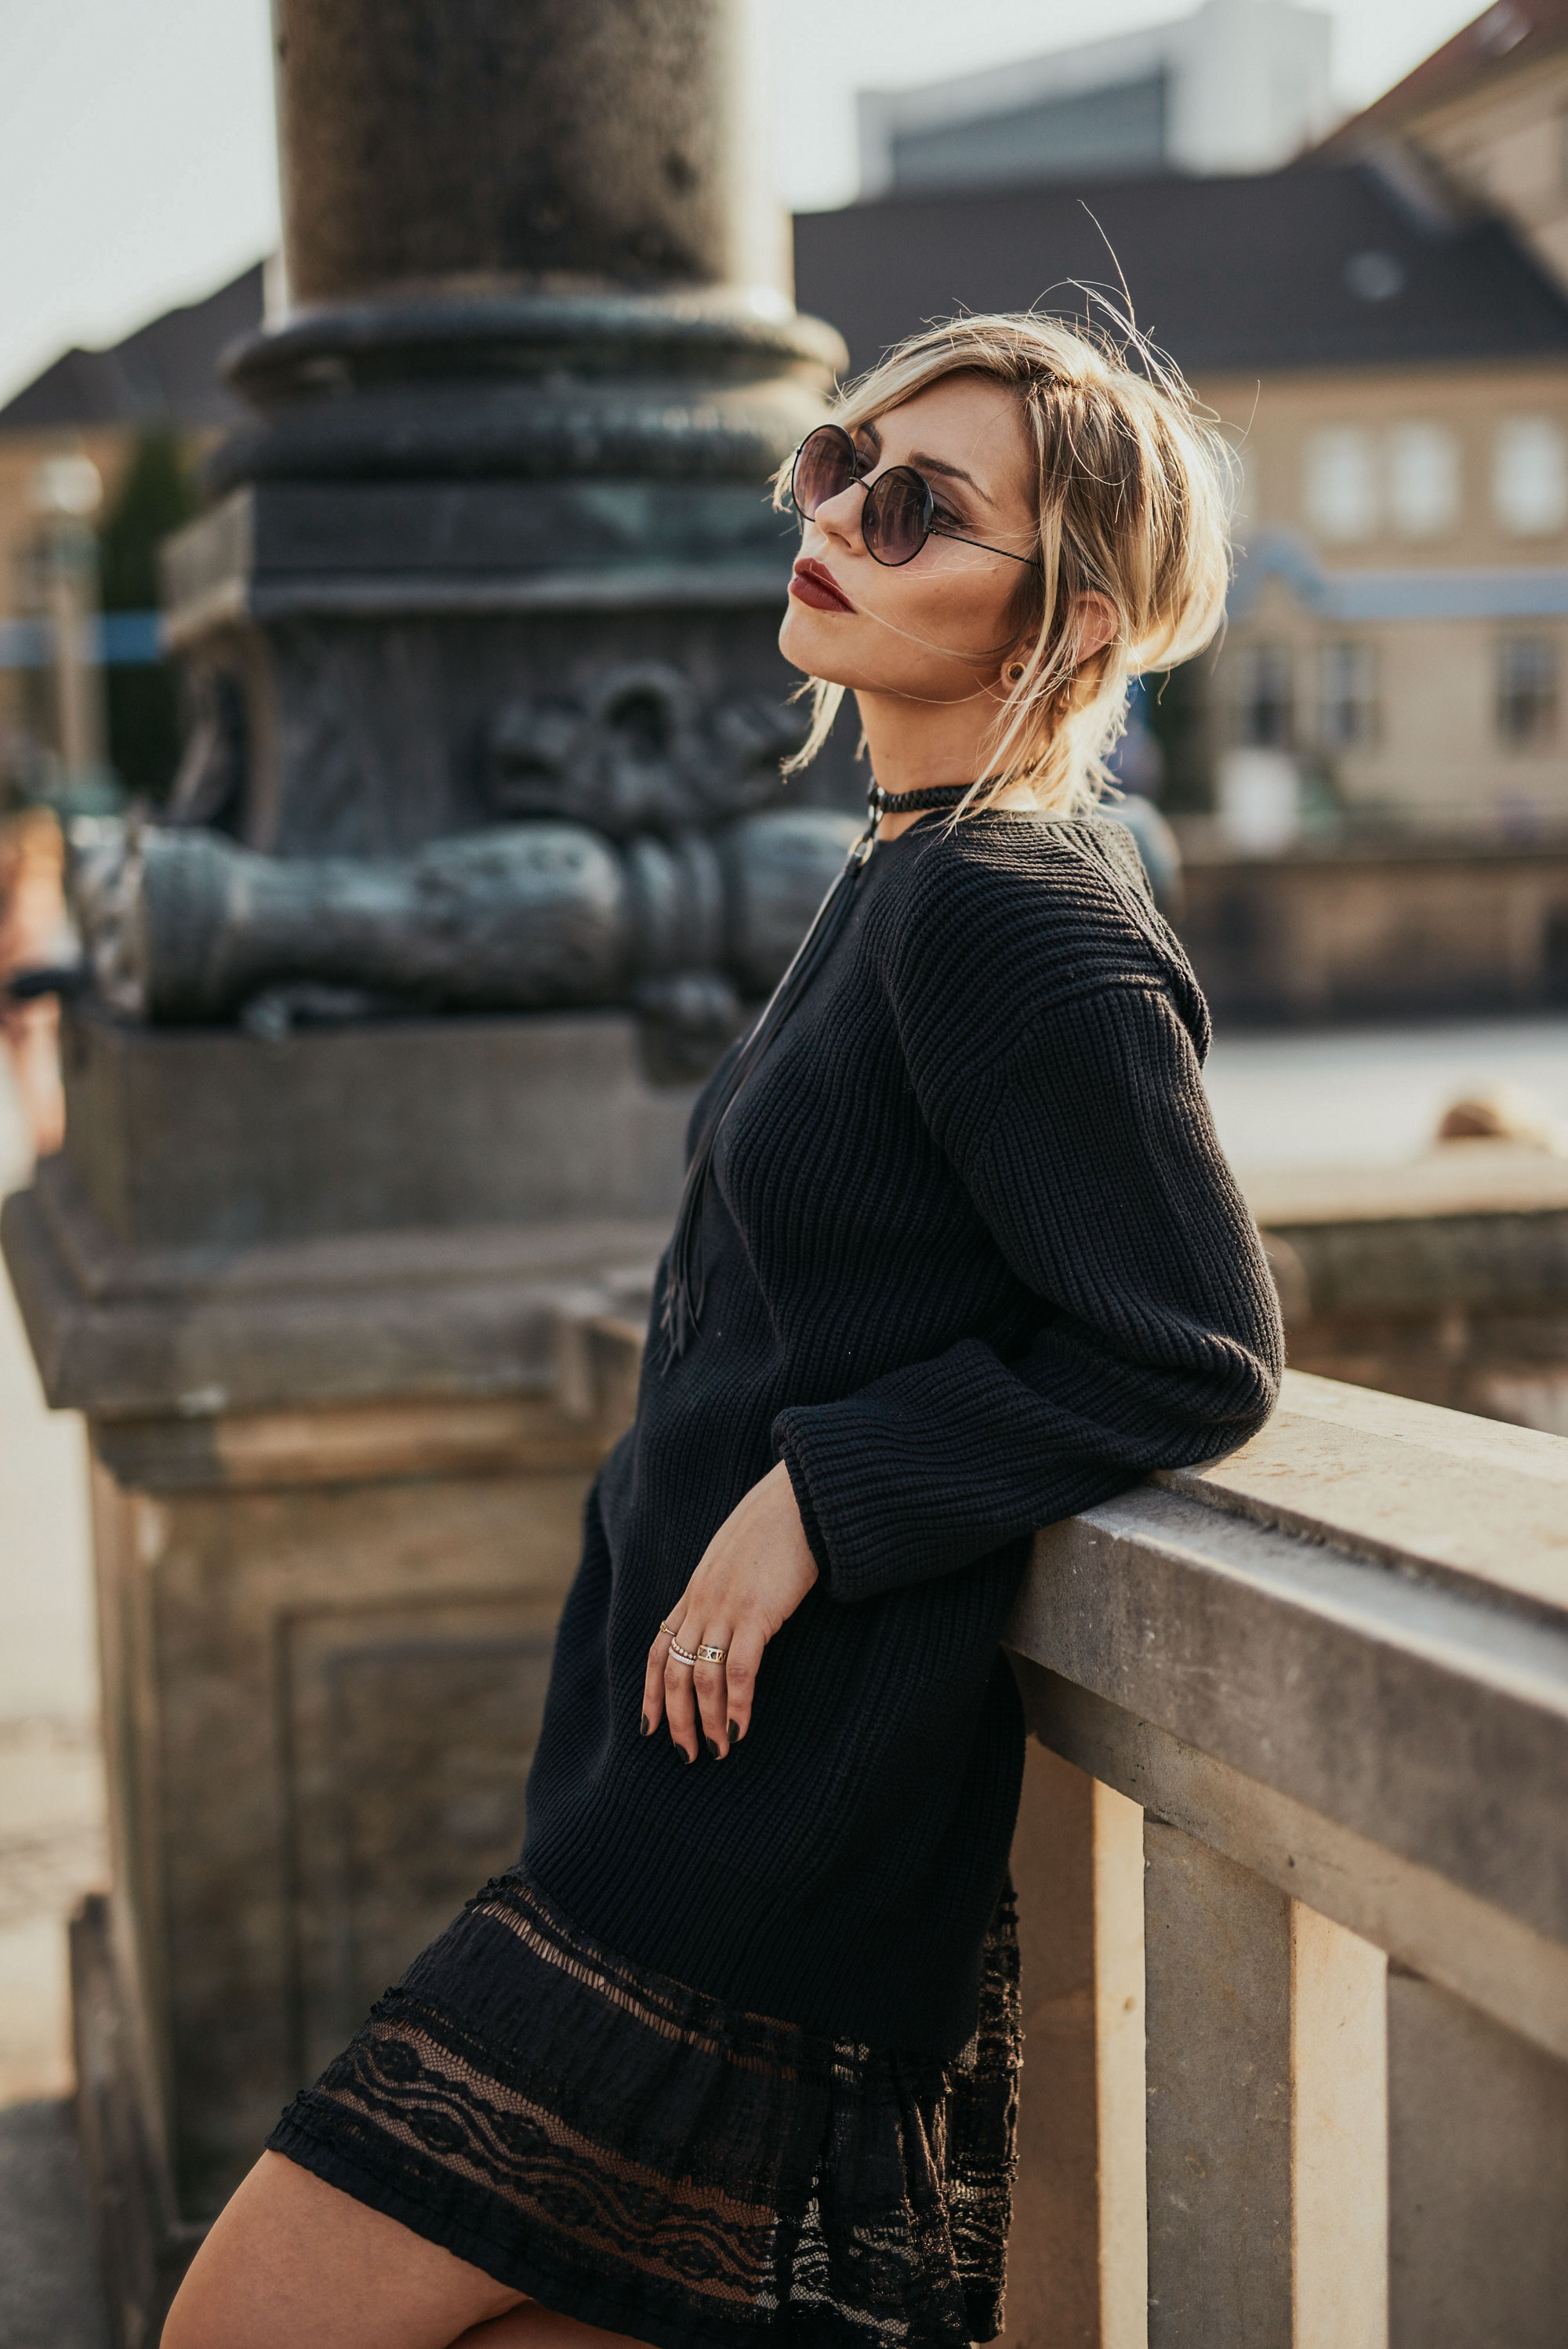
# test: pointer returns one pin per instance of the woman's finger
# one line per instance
(654, 1682)
(741, 1676)
(708, 1682)
(680, 1709)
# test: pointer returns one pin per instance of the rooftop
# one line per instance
(1494, 45)
(165, 373)
(1320, 266)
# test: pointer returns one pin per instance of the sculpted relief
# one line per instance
(636, 751)
(634, 858)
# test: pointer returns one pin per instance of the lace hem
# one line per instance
(627, 2149)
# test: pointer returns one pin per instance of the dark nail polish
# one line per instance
(734, 1730)
(644, 1725)
(686, 1756)
(713, 1747)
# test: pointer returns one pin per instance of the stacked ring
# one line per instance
(684, 1654)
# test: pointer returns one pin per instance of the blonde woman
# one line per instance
(731, 2056)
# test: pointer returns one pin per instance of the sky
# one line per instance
(136, 136)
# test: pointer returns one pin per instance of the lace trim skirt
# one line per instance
(633, 2152)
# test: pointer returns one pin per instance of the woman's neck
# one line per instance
(913, 745)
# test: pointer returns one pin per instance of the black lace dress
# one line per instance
(733, 2054)
(636, 2154)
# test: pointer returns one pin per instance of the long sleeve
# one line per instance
(1097, 1173)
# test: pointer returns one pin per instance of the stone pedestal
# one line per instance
(341, 1312)
(325, 1638)
(495, 549)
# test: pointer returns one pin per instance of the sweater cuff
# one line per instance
(816, 1538)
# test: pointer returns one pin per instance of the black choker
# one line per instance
(937, 795)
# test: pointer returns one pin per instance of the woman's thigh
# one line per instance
(293, 2263)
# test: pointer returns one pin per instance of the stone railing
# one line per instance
(1293, 1882)
(1445, 1279)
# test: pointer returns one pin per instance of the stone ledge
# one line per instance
(340, 1323)
(1423, 1919)
(1343, 1642)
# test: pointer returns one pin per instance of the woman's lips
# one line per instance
(815, 586)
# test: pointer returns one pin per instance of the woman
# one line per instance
(732, 2054)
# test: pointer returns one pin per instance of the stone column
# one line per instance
(597, 147)
(477, 851)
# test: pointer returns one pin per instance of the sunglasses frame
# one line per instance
(931, 527)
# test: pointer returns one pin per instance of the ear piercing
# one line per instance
(1016, 672)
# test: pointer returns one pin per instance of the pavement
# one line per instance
(50, 2296)
(1366, 1096)
(51, 1836)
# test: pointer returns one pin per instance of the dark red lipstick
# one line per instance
(815, 584)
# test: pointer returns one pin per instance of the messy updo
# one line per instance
(1134, 487)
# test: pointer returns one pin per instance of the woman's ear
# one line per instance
(1097, 622)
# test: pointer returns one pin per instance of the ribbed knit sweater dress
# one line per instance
(973, 1261)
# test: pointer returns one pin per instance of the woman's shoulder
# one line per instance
(1085, 866)
(1012, 913)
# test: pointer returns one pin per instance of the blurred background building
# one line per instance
(1236, 86)
(1378, 313)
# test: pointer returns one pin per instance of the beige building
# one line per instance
(1398, 626)
(95, 404)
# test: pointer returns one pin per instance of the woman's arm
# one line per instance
(1102, 1181)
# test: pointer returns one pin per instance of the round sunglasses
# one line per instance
(900, 511)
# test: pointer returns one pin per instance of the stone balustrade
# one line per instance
(1292, 1876)
(1445, 1279)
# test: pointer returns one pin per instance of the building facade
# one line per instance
(93, 409)
(1399, 628)
(1239, 86)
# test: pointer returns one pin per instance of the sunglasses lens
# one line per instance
(824, 468)
(897, 516)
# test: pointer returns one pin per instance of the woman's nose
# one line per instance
(840, 517)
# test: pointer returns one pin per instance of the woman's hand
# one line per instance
(750, 1579)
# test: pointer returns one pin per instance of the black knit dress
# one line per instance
(731, 2056)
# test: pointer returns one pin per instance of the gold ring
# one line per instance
(713, 1655)
(684, 1654)
(668, 1630)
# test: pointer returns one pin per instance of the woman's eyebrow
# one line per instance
(955, 472)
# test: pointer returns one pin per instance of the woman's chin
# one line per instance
(806, 641)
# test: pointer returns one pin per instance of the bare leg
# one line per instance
(532, 2327)
(292, 2263)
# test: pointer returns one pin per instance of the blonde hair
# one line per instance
(1134, 487)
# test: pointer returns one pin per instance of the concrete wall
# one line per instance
(1310, 937)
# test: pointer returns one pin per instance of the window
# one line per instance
(1527, 691)
(1348, 697)
(1341, 487)
(1530, 477)
(1265, 711)
(1423, 479)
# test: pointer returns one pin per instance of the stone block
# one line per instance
(1478, 2246)
(1219, 2076)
